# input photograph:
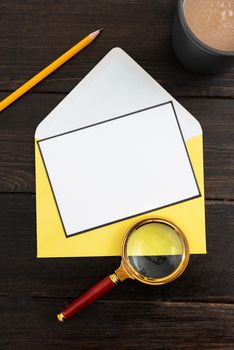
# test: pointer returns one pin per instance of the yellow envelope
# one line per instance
(116, 86)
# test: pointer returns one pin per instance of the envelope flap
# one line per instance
(116, 86)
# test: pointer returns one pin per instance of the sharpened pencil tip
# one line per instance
(95, 34)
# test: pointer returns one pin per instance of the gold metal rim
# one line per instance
(155, 281)
(61, 317)
(114, 278)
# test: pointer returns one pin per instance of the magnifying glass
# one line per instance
(154, 251)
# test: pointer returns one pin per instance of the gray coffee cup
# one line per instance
(193, 53)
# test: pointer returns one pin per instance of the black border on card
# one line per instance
(107, 121)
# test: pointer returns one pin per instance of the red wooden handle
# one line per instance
(98, 290)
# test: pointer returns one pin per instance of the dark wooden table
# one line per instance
(194, 312)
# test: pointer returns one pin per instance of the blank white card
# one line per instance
(119, 168)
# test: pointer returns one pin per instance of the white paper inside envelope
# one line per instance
(119, 168)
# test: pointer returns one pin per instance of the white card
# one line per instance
(119, 168)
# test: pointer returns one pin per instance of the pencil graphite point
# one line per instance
(96, 33)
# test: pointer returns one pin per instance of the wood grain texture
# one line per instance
(18, 124)
(35, 33)
(194, 312)
(124, 325)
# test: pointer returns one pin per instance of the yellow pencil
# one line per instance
(48, 70)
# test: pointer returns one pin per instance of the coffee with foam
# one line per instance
(211, 21)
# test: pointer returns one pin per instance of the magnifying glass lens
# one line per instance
(154, 250)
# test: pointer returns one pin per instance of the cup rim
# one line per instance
(194, 38)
